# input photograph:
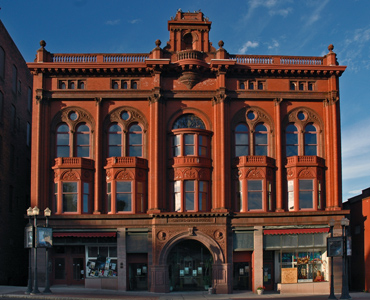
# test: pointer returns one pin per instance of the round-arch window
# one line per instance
(189, 121)
(125, 115)
(73, 116)
(251, 115)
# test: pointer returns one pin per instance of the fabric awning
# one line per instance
(84, 234)
(295, 231)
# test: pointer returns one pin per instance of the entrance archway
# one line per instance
(189, 266)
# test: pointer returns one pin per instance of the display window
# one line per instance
(310, 264)
(101, 261)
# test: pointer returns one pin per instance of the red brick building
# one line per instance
(187, 167)
(15, 158)
(360, 227)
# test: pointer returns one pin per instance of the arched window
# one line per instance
(63, 141)
(260, 140)
(189, 142)
(241, 140)
(188, 41)
(72, 85)
(83, 141)
(114, 141)
(135, 140)
(81, 85)
(291, 136)
(310, 140)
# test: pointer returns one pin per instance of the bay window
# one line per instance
(126, 197)
(190, 195)
(190, 144)
(123, 196)
(306, 194)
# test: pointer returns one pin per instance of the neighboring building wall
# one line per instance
(234, 157)
(360, 228)
(15, 150)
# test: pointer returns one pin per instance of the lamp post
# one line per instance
(35, 290)
(47, 214)
(332, 295)
(29, 246)
(345, 293)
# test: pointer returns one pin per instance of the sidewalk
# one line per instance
(81, 293)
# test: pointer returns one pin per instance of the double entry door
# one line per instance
(69, 265)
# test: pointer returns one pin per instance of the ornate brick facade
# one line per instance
(187, 147)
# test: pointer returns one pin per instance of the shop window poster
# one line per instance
(44, 237)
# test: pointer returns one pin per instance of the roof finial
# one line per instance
(331, 48)
(42, 44)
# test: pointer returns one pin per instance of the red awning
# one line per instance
(296, 231)
(84, 234)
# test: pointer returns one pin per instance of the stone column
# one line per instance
(257, 258)
(222, 275)
(121, 259)
(160, 278)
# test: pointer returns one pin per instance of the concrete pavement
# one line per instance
(82, 293)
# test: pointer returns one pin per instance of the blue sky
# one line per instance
(284, 27)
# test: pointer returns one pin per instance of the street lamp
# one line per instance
(36, 212)
(47, 214)
(332, 295)
(345, 293)
(29, 244)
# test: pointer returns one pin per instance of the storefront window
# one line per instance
(310, 264)
(101, 261)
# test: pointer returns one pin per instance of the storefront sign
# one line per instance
(335, 246)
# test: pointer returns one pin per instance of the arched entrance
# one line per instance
(189, 266)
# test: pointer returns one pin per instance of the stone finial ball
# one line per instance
(42, 43)
(331, 47)
(158, 43)
(221, 44)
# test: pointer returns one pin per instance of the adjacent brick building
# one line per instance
(15, 154)
(188, 167)
(360, 228)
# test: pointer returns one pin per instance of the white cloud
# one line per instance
(134, 21)
(315, 16)
(273, 6)
(248, 45)
(273, 45)
(281, 12)
(113, 22)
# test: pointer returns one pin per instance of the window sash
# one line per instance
(306, 193)
(69, 196)
(123, 196)
(255, 194)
